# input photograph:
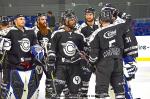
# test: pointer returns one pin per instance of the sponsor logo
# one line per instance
(109, 34)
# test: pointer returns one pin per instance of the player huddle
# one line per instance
(69, 55)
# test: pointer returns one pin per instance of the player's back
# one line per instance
(110, 40)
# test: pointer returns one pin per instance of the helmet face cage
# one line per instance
(67, 15)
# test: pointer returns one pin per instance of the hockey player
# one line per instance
(66, 47)
(36, 28)
(90, 25)
(130, 52)
(62, 26)
(3, 48)
(24, 78)
(107, 47)
(87, 28)
(44, 38)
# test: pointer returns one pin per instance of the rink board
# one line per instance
(143, 48)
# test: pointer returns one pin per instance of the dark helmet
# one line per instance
(89, 10)
(105, 15)
(68, 14)
(38, 15)
(4, 20)
(108, 6)
(64, 15)
(18, 15)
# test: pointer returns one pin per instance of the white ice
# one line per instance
(140, 85)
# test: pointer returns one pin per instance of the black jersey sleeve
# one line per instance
(8, 35)
(54, 41)
(94, 51)
(82, 43)
(38, 35)
(130, 42)
(34, 39)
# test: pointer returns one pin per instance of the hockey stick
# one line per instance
(45, 71)
(53, 83)
(128, 93)
(85, 55)
(3, 56)
(52, 76)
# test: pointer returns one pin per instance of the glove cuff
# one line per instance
(128, 59)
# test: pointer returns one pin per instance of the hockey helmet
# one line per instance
(89, 10)
(69, 14)
(105, 15)
(108, 6)
(4, 20)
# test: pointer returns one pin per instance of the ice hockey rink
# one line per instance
(140, 85)
(139, 10)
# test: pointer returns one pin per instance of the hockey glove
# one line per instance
(131, 70)
(129, 67)
(78, 56)
(51, 58)
(86, 66)
(124, 15)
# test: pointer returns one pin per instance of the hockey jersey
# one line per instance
(130, 43)
(65, 45)
(20, 45)
(5, 31)
(87, 30)
(44, 40)
(108, 42)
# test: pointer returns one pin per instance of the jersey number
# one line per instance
(111, 42)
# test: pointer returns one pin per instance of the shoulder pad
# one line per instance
(77, 32)
(5, 31)
(119, 21)
(83, 25)
(27, 28)
(57, 31)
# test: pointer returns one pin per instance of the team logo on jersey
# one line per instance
(109, 34)
(39, 69)
(44, 42)
(25, 44)
(77, 80)
(69, 48)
